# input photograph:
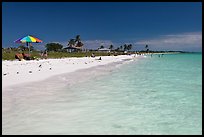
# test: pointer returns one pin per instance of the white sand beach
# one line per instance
(20, 72)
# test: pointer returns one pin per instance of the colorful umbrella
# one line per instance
(28, 39)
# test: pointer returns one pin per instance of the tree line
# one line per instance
(77, 43)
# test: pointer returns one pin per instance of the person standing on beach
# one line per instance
(45, 54)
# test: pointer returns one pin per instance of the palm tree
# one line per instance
(129, 47)
(79, 44)
(146, 47)
(71, 43)
(125, 47)
(111, 47)
(121, 47)
(77, 39)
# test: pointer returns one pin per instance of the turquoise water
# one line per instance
(152, 95)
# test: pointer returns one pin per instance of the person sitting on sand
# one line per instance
(19, 56)
(26, 56)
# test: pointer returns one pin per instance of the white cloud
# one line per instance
(186, 41)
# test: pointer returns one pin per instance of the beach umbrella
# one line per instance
(28, 39)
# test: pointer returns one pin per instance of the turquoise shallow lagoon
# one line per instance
(152, 95)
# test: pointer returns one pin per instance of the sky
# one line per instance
(161, 25)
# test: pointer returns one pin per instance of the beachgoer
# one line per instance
(19, 56)
(26, 57)
(45, 54)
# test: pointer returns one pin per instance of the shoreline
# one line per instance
(23, 72)
(49, 85)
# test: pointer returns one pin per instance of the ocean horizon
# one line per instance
(158, 94)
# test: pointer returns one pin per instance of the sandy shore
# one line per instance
(19, 72)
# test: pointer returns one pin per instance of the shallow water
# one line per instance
(152, 95)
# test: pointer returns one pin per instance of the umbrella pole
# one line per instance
(28, 48)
